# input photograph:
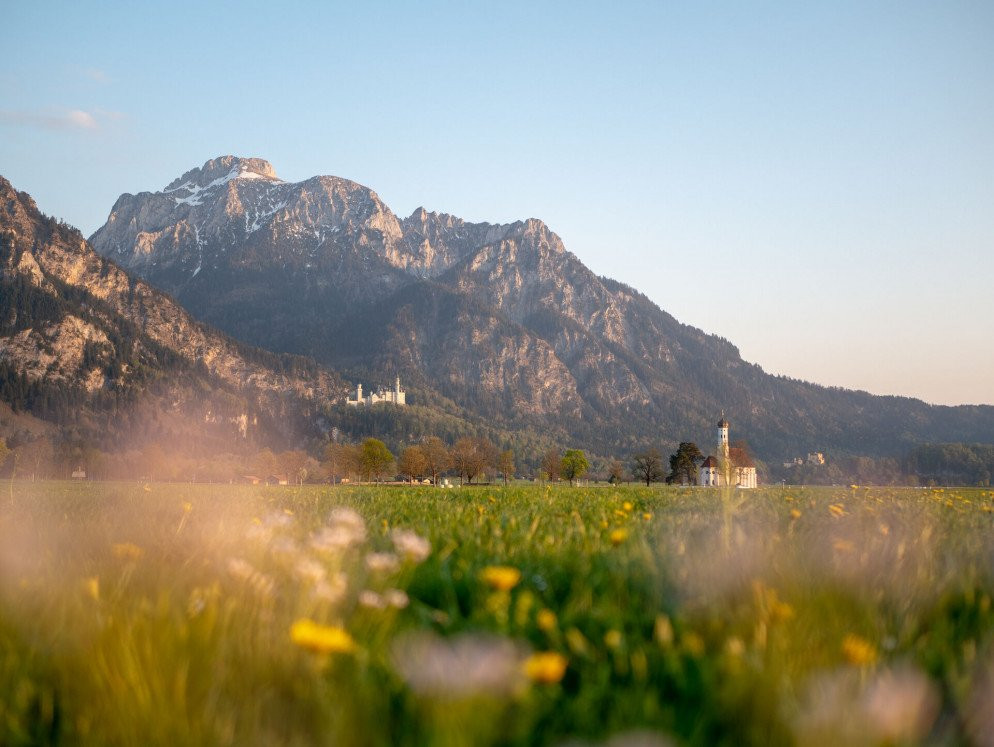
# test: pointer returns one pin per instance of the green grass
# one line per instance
(162, 614)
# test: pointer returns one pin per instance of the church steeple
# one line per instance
(723, 436)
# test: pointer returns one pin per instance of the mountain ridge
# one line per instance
(500, 318)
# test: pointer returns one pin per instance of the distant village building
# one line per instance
(741, 470)
(816, 457)
(79, 474)
(396, 396)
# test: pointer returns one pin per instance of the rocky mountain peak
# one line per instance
(222, 170)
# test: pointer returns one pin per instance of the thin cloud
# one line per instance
(96, 74)
(63, 119)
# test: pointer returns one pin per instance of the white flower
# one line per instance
(382, 562)
(332, 590)
(463, 666)
(410, 544)
(310, 570)
(396, 598)
(369, 598)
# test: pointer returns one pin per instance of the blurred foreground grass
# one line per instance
(194, 614)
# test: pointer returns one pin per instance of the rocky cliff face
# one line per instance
(502, 319)
(75, 324)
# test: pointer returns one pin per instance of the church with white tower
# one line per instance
(732, 466)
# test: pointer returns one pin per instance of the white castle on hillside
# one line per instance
(732, 466)
(396, 396)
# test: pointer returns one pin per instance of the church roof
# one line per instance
(710, 462)
(722, 423)
(740, 457)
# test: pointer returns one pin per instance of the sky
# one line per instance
(812, 181)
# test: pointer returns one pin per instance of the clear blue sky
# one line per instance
(814, 182)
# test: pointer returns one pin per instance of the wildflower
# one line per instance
(546, 668)
(331, 590)
(410, 545)
(734, 647)
(795, 514)
(462, 666)
(612, 639)
(242, 570)
(837, 510)
(187, 507)
(577, 642)
(843, 545)
(396, 598)
(321, 639)
(546, 620)
(127, 551)
(382, 562)
(627, 505)
(780, 611)
(500, 577)
(858, 650)
(663, 630)
(91, 585)
(694, 644)
(310, 570)
(618, 536)
(371, 599)
(346, 529)
(647, 516)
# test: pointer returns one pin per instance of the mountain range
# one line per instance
(498, 322)
(87, 346)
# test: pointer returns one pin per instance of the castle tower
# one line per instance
(358, 393)
(396, 389)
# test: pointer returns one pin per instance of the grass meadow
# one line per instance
(197, 614)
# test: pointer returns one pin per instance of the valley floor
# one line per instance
(179, 614)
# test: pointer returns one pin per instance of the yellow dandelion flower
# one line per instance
(780, 611)
(546, 620)
(620, 514)
(546, 667)
(663, 631)
(647, 516)
(91, 585)
(612, 639)
(858, 650)
(627, 505)
(187, 507)
(127, 551)
(837, 509)
(693, 644)
(500, 577)
(321, 639)
(618, 536)
(734, 647)
(795, 514)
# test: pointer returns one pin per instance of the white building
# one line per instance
(396, 396)
(732, 466)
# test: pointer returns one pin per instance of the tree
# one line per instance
(264, 463)
(573, 465)
(648, 466)
(551, 464)
(413, 463)
(336, 460)
(684, 464)
(375, 459)
(293, 465)
(470, 456)
(505, 464)
(437, 457)
(615, 472)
